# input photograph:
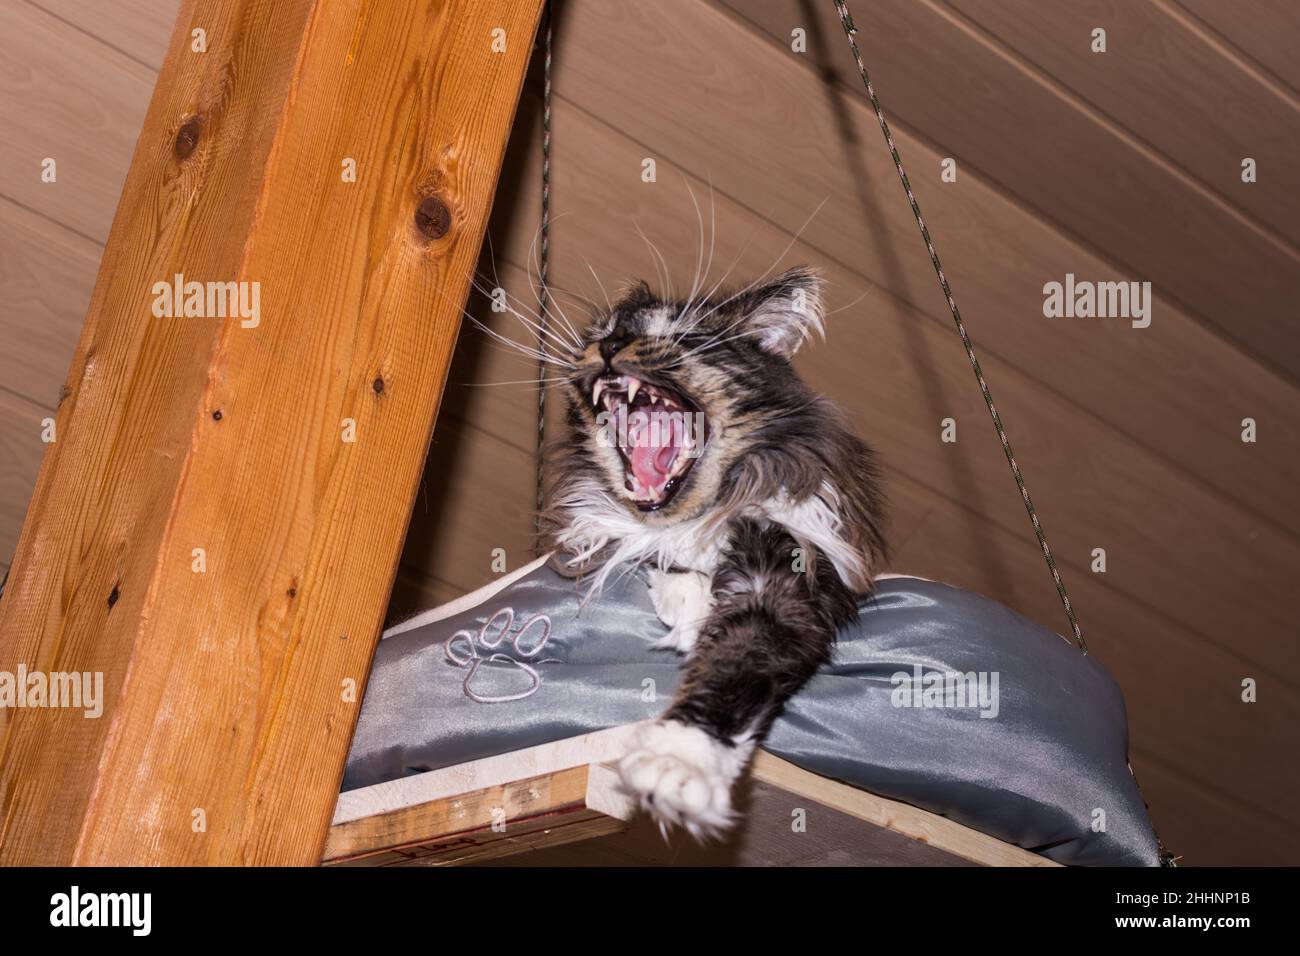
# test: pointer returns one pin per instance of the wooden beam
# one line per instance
(203, 533)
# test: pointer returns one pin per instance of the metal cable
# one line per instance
(543, 269)
(1165, 856)
(851, 32)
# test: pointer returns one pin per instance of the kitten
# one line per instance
(695, 449)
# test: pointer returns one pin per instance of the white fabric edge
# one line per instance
(465, 601)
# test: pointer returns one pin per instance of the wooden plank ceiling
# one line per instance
(1116, 166)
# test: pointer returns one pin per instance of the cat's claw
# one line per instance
(683, 777)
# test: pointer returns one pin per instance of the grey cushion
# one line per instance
(1040, 761)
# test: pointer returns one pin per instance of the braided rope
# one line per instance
(543, 269)
(1165, 856)
(851, 32)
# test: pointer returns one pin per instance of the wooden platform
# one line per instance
(560, 804)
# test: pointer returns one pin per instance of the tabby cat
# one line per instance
(695, 451)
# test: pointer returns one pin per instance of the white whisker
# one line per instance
(548, 382)
(519, 347)
(496, 278)
(714, 343)
(608, 305)
(699, 255)
(865, 293)
(768, 271)
(532, 321)
(692, 321)
(510, 343)
(660, 263)
(535, 287)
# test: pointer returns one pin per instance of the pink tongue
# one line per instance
(652, 463)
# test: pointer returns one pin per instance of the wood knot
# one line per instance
(433, 218)
(216, 415)
(187, 137)
(378, 385)
(113, 595)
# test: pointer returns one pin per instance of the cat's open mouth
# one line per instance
(657, 432)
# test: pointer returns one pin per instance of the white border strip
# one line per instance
(601, 746)
(465, 601)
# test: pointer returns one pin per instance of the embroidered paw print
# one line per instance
(462, 649)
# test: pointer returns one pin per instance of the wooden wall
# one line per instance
(1122, 165)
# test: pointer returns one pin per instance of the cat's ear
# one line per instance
(786, 312)
(634, 294)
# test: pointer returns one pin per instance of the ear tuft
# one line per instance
(786, 312)
(634, 294)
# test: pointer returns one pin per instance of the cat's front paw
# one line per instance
(683, 777)
(682, 600)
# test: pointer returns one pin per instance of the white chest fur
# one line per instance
(599, 522)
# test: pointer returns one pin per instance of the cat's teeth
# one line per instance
(633, 386)
(595, 393)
